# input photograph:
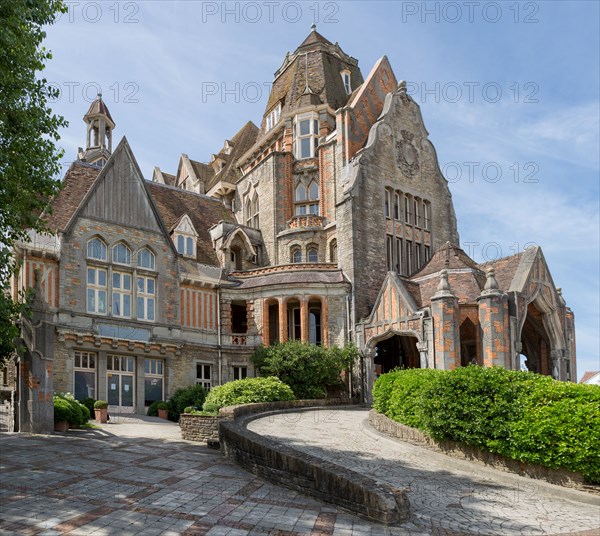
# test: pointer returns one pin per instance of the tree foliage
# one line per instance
(29, 156)
(308, 369)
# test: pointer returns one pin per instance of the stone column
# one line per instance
(494, 322)
(446, 325)
(283, 327)
(304, 321)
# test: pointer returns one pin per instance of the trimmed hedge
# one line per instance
(66, 408)
(247, 391)
(194, 395)
(521, 415)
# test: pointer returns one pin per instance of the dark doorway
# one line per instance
(399, 351)
(273, 323)
(239, 322)
(535, 342)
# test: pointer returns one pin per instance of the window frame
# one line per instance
(97, 289)
(312, 135)
(202, 379)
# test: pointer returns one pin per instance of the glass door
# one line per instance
(120, 383)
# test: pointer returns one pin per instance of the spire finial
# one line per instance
(100, 95)
(491, 287)
(313, 27)
(443, 289)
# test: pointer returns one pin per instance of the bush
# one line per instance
(100, 404)
(521, 415)
(162, 406)
(247, 391)
(396, 394)
(78, 415)
(62, 410)
(308, 369)
(153, 409)
(194, 395)
(89, 404)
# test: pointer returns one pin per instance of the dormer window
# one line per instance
(184, 237)
(346, 79)
(306, 136)
(273, 117)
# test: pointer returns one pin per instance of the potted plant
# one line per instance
(163, 410)
(101, 411)
(62, 415)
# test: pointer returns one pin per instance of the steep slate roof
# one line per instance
(292, 278)
(76, 184)
(98, 107)
(241, 142)
(170, 180)
(504, 269)
(455, 256)
(172, 203)
(204, 172)
(325, 62)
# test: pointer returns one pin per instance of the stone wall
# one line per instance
(199, 427)
(307, 474)
(562, 477)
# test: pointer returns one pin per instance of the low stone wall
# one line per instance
(562, 477)
(199, 427)
(307, 474)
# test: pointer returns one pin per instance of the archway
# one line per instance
(535, 342)
(397, 351)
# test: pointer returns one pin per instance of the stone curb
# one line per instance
(305, 473)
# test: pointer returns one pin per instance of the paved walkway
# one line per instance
(136, 476)
(447, 496)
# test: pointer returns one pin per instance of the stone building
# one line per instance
(330, 222)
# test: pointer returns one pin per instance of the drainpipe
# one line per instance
(219, 350)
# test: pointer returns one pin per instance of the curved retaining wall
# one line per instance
(302, 472)
(562, 477)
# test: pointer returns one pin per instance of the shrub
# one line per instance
(308, 369)
(396, 394)
(189, 409)
(153, 409)
(247, 391)
(194, 395)
(79, 414)
(100, 404)
(162, 405)
(211, 407)
(62, 410)
(89, 404)
(521, 415)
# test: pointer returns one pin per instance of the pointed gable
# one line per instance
(394, 310)
(119, 196)
(185, 226)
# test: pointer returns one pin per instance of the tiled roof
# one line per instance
(448, 256)
(77, 182)
(170, 180)
(504, 270)
(588, 376)
(172, 203)
(314, 38)
(204, 172)
(98, 107)
(293, 277)
(241, 142)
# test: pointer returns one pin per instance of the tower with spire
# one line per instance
(98, 146)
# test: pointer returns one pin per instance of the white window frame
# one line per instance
(115, 260)
(120, 293)
(202, 379)
(151, 258)
(97, 289)
(347, 81)
(240, 372)
(103, 249)
(145, 298)
(312, 135)
(82, 362)
(310, 204)
(273, 117)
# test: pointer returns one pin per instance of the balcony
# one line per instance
(306, 220)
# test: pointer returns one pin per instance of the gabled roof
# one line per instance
(77, 182)
(393, 302)
(204, 172)
(448, 256)
(240, 143)
(587, 376)
(172, 203)
(314, 38)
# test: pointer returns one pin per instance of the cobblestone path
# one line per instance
(447, 496)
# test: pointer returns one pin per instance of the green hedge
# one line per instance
(308, 369)
(193, 395)
(521, 415)
(247, 391)
(66, 408)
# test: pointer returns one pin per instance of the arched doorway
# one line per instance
(535, 342)
(397, 351)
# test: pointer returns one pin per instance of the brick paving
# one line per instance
(448, 496)
(136, 476)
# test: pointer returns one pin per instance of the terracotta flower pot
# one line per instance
(101, 415)
(61, 426)
(163, 413)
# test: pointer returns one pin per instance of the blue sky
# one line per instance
(509, 92)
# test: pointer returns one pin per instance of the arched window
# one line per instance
(313, 254)
(96, 249)
(252, 209)
(248, 210)
(296, 255)
(307, 199)
(255, 211)
(145, 259)
(121, 254)
(333, 251)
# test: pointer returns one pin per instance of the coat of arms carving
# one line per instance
(407, 155)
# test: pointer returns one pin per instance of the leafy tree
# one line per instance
(29, 157)
(308, 369)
